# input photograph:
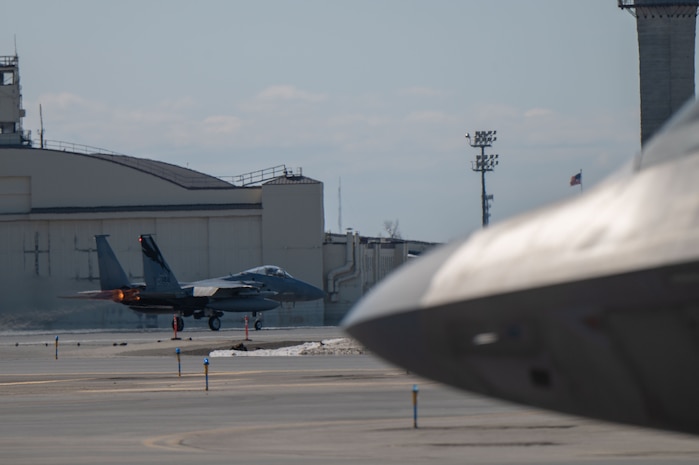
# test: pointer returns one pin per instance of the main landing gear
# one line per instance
(214, 323)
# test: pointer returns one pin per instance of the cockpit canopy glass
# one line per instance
(270, 270)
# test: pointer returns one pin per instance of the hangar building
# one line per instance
(56, 197)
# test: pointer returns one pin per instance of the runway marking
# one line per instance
(46, 381)
(224, 388)
(92, 373)
(132, 390)
(218, 439)
(177, 441)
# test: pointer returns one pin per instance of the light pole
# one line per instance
(483, 164)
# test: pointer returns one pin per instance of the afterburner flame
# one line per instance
(129, 295)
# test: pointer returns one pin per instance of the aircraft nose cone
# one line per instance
(315, 293)
(391, 320)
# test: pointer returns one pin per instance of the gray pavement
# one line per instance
(117, 398)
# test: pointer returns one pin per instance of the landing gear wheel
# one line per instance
(258, 325)
(180, 323)
(214, 323)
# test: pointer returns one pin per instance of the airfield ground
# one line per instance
(115, 398)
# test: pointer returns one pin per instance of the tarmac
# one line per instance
(122, 397)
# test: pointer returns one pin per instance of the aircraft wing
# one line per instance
(219, 288)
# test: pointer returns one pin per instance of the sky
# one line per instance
(372, 98)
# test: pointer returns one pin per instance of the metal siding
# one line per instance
(236, 244)
(293, 229)
(11, 244)
(123, 237)
(15, 194)
(71, 246)
(184, 243)
(35, 247)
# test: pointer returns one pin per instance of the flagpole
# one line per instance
(581, 181)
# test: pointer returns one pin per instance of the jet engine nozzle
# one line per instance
(121, 295)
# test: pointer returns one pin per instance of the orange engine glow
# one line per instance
(117, 295)
(128, 295)
(131, 295)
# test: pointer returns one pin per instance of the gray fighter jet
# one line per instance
(251, 291)
(588, 307)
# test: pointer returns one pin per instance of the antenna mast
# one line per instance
(41, 129)
(339, 209)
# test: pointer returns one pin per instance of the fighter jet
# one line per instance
(254, 290)
(588, 307)
(251, 291)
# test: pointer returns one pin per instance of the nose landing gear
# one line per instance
(258, 321)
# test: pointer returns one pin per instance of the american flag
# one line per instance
(576, 179)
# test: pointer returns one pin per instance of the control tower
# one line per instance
(11, 112)
(666, 36)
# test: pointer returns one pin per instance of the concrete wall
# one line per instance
(293, 224)
(666, 42)
(353, 265)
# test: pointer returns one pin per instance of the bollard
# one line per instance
(206, 372)
(246, 328)
(415, 391)
(56, 347)
(174, 327)
(179, 365)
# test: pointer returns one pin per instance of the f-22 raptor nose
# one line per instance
(396, 308)
(585, 307)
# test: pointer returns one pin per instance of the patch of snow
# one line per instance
(338, 346)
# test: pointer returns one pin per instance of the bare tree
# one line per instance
(391, 228)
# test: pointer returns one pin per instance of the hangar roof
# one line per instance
(292, 180)
(184, 177)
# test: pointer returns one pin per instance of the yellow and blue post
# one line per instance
(179, 364)
(415, 391)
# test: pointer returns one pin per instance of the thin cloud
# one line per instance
(289, 92)
(430, 116)
(63, 99)
(221, 124)
(357, 119)
(538, 112)
(418, 91)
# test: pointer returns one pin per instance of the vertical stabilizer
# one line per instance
(156, 271)
(112, 275)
